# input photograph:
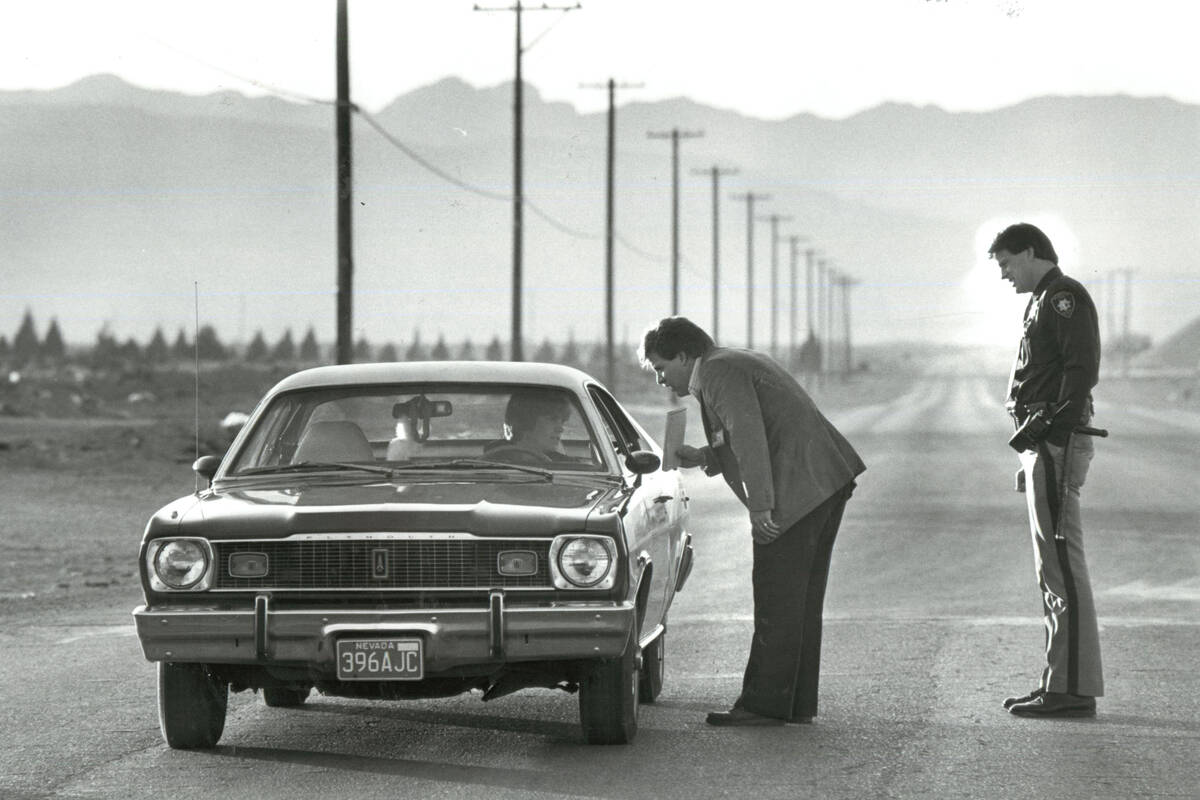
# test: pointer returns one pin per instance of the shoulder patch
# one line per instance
(1064, 304)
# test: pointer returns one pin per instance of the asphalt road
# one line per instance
(931, 621)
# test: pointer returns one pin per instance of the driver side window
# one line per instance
(621, 432)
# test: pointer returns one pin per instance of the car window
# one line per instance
(622, 432)
(422, 424)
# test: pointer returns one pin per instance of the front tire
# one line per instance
(608, 697)
(191, 705)
(654, 668)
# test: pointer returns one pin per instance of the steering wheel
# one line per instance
(516, 455)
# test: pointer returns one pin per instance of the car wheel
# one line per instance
(608, 697)
(191, 705)
(654, 666)
(281, 697)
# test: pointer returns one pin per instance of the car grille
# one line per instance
(374, 564)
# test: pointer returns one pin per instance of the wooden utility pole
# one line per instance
(847, 283)
(609, 221)
(675, 135)
(750, 198)
(518, 239)
(345, 239)
(775, 219)
(716, 172)
(794, 257)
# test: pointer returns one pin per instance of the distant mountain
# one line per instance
(117, 202)
(1181, 350)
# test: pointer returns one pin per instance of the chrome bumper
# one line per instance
(452, 637)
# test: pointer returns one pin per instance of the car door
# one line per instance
(653, 522)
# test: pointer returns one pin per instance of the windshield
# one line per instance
(411, 427)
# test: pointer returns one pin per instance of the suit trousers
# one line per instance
(1053, 479)
(789, 580)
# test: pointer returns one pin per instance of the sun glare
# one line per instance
(997, 309)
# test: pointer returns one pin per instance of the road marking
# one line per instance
(1186, 591)
(93, 632)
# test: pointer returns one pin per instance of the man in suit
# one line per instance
(794, 472)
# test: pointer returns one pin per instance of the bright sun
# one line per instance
(996, 308)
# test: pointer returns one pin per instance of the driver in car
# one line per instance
(534, 422)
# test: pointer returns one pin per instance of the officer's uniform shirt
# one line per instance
(1059, 356)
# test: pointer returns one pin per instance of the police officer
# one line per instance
(1056, 367)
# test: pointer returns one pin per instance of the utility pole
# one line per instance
(345, 239)
(794, 257)
(822, 319)
(1126, 334)
(847, 283)
(750, 198)
(775, 219)
(518, 173)
(716, 172)
(609, 220)
(675, 135)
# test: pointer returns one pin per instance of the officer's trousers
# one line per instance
(789, 578)
(1053, 478)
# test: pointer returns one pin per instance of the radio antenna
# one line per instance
(196, 349)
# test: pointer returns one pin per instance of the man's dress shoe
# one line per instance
(741, 717)
(1009, 702)
(1056, 704)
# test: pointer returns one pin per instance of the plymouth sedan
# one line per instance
(418, 530)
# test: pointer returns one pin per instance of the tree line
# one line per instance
(28, 348)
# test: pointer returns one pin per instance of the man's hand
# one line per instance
(765, 529)
(689, 456)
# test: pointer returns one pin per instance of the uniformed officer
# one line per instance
(1056, 367)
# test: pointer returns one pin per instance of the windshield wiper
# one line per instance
(314, 466)
(476, 463)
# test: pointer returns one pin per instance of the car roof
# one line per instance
(538, 373)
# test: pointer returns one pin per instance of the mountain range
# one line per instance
(128, 209)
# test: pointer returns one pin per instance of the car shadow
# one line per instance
(554, 784)
(567, 733)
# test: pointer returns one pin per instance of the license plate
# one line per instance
(380, 660)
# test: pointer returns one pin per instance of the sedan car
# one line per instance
(417, 530)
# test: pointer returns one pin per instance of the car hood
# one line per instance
(484, 508)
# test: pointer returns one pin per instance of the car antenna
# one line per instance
(196, 350)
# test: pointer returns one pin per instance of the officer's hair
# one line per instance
(1019, 237)
(672, 336)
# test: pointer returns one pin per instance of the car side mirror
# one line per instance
(206, 466)
(640, 462)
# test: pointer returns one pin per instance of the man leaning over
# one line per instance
(794, 472)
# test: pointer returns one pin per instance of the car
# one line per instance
(419, 530)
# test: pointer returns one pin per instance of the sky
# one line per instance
(766, 58)
(770, 59)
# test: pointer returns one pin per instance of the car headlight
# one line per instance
(179, 564)
(583, 562)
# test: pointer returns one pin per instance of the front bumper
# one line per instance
(453, 638)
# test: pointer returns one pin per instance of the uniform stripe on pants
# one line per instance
(1054, 476)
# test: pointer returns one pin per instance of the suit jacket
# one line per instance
(767, 438)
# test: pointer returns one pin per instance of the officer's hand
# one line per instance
(765, 529)
(689, 456)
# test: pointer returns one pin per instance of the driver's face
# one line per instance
(547, 431)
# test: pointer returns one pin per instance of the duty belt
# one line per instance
(1023, 411)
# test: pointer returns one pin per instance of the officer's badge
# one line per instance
(1064, 303)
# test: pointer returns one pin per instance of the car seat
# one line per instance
(333, 440)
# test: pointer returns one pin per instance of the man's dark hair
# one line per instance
(526, 406)
(1017, 238)
(675, 335)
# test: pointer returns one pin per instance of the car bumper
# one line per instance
(453, 638)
